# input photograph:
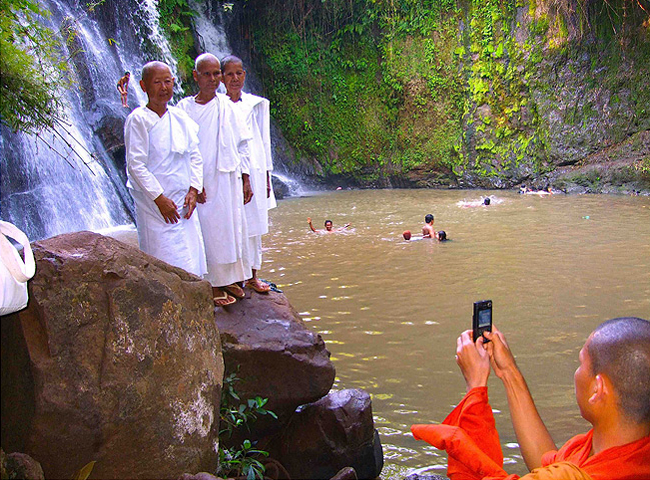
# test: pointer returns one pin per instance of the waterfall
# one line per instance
(82, 187)
(212, 37)
(53, 185)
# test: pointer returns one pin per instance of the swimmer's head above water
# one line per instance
(428, 218)
(486, 201)
(328, 225)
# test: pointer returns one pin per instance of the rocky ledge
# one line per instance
(118, 359)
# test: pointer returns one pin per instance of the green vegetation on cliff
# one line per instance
(30, 68)
(433, 92)
(176, 21)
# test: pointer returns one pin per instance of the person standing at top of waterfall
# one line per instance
(165, 174)
(123, 88)
(256, 113)
(224, 144)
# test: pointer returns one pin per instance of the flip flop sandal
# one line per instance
(258, 286)
(235, 290)
(223, 300)
(274, 287)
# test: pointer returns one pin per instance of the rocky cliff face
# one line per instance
(559, 95)
(461, 93)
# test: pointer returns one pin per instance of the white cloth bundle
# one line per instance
(14, 273)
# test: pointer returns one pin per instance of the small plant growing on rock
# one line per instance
(243, 460)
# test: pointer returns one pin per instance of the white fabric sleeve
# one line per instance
(196, 169)
(266, 134)
(196, 160)
(245, 153)
(245, 137)
(136, 140)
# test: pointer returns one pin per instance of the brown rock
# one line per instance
(346, 473)
(116, 359)
(275, 354)
(425, 476)
(336, 431)
(198, 476)
(19, 465)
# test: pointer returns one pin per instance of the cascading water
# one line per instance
(212, 37)
(82, 186)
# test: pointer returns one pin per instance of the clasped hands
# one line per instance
(476, 358)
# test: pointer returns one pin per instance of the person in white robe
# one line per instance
(224, 144)
(165, 174)
(255, 111)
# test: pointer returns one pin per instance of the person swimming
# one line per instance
(441, 236)
(485, 202)
(427, 229)
(329, 227)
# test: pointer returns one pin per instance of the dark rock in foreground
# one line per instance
(116, 359)
(19, 465)
(425, 476)
(274, 353)
(332, 433)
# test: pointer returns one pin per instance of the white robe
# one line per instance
(223, 141)
(255, 111)
(162, 157)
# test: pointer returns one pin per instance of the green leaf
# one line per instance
(85, 471)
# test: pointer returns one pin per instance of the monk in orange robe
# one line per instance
(612, 387)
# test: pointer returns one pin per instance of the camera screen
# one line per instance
(484, 318)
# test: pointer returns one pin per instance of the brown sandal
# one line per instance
(235, 290)
(259, 287)
(223, 300)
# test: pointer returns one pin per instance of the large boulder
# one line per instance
(336, 431)
(116, 359)
(274, 354)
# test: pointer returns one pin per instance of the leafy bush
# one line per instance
(31, 70)
(245, 459)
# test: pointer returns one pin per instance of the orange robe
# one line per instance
(470, 438)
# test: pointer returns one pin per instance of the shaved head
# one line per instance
(203, 58)
(151, 67)
(231, 60)
(620, 349)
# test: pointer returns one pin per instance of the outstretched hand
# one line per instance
(501, 358)
(473, 360)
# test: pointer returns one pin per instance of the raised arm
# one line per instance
(532, 435)
(311, 225)
(473, 360)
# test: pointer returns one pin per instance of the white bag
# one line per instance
(13, 272)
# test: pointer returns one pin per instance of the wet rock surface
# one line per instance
(335, 432)
(273, 353)
(116, 359)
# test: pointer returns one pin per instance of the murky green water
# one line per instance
(390, 311)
